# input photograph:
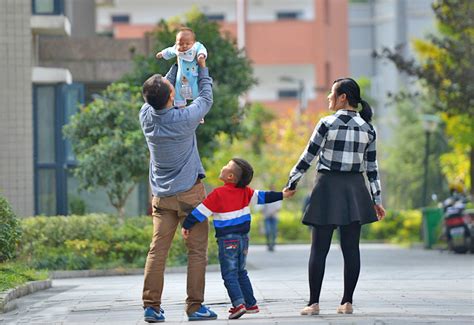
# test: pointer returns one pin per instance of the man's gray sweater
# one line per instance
(170, 134)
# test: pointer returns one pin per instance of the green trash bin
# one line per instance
(432, 218)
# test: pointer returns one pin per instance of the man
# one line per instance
(175, 179)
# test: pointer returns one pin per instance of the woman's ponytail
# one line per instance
(366, 112)
(350, 87)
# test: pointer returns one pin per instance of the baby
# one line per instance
(187, 51)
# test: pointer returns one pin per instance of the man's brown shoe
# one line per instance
(310, 310)
(345, 309)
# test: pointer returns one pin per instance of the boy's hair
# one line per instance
(246, 172)
(156, 92)
(186, 29)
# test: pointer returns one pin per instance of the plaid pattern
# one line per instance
(343, 142)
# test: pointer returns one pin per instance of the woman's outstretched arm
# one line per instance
(313, 148)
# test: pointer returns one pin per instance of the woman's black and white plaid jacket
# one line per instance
(343, 142)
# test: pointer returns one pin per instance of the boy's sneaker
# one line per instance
(153, 316)
(204, 313)
(237, 311)
(252, 309)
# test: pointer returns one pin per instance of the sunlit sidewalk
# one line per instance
(397, 286)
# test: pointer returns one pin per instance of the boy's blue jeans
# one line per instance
(233, 249)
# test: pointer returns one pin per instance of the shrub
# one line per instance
(10, 231)
(290, 229)
(94, 241)
(397, 227)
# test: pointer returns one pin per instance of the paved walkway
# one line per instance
(397, 286)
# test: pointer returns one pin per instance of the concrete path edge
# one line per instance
(7, 298)
(119, 272)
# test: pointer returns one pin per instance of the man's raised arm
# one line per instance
(171, 75)
(203, 103)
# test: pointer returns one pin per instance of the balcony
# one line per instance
(48, 18)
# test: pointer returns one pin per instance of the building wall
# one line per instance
(312, 48)
(385, 23)
(16, 113)
(81, 14)
(150, 12)
(91, 60)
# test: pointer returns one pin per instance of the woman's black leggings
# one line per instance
(321, 242)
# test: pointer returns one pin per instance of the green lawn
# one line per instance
(15, 274)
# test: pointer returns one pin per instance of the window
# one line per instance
(287, 94)
(53, 106)
(47, 7)
(288, 15)
(120, 19)
(45, 110)
(215, 17)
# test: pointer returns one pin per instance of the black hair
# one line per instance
(246, 172)
(156, 91)
(350, 87)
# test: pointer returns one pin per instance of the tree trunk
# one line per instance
(121, 213)
(120, 201)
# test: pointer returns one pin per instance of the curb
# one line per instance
(7, 298)
(119, 272)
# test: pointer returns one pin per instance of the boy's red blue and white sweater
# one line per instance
(230, 207)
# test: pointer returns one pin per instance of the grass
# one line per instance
(13, 274)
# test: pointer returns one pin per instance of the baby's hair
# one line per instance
(186, 29)
(245, 172)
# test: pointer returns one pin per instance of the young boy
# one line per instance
(187, 51)
(230, 206)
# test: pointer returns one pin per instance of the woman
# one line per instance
(345, 145)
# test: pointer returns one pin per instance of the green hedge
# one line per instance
(100, 241)
(402, 227)
(94, 242)
(290, 229)
(10, 231)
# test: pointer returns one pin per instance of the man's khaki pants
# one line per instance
(168, 212)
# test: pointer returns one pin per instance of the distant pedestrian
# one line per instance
(345, 146)
(270, 218)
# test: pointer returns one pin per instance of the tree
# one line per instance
(403, 165)
(281, 142)
(445, 69)
(455, 164)
(228, 66)
(108, 142)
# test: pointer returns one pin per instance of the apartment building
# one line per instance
(39, 93)
(374, 24)
(51, 59)
(30, 165)
(297, 47)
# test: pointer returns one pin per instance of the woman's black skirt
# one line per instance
(339, 198)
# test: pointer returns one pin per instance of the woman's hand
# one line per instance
(380, 211)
